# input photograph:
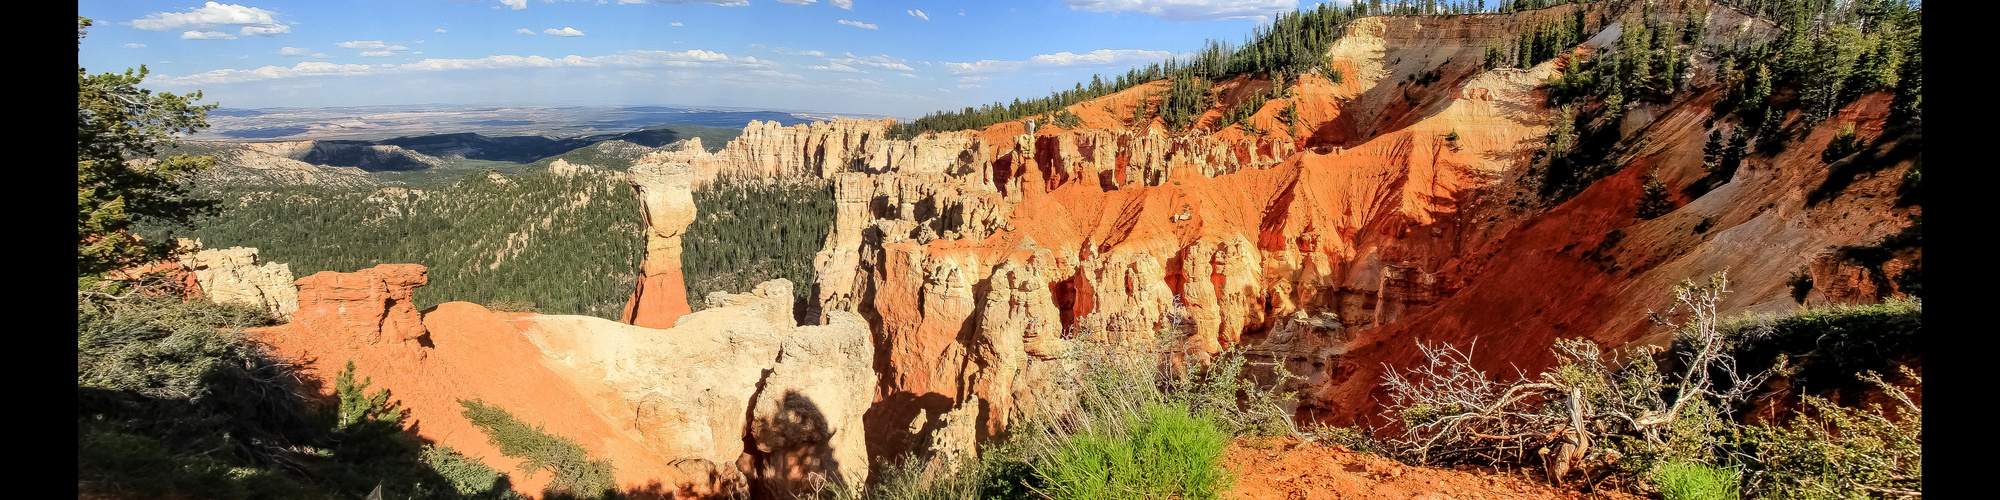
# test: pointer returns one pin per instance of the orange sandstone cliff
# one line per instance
(962, 266)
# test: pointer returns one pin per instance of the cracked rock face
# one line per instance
(234, 275)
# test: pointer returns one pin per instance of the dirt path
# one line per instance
(1285, 468)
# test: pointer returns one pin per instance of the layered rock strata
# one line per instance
(976, 256)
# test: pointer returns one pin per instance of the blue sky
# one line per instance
(897, 58)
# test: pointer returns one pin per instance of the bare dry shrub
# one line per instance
(1589, 411)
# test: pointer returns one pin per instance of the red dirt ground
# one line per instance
(1286, 468)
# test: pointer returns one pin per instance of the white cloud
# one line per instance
(206, 35)
(565, 31)
(1099, 57)
(313, 68)
(724, 3)
(798, 2)
(525, 31)
(857, 24)
(969, 85)
(691, 59)
(291, 51)
(835, 66)
(377, 53)
(844, 4)
(370, 45)
(254, 21)
(676, 25)
(919, 14)
(882, 61)
(515, 4)
(135, 45)
(275, 29)
(973, 79)
(439, 30)
(1189, 10)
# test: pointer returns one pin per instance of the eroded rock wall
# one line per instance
(735, 399)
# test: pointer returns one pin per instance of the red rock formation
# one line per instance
(977, 255)
(737, 398)
(666, 207)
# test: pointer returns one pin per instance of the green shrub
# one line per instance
(467, 476)
(575, 473)
(173, 401)
(1353, 438)
(1826, 346)
(1166, 452)
(1831, 451)
(1695, 481)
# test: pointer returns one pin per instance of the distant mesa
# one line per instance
(266, 132)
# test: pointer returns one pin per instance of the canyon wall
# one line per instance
(1399, 212)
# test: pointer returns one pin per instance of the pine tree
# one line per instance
(1653, 199)
(1711, 152)
(119, 128)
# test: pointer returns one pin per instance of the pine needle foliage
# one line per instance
(119, 128)
(173, 401)
(575, 472)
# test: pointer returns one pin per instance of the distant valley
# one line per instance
(371, 123)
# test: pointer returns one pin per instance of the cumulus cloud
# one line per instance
(370, 45)
(206, 35)
(844, 4)
(525, 31)
(252, 20)
(692, 59)
(565, 31)
(1189, 10)
(515, 4)
(377, 53)
(291, 51)
(918, 13)
(439, 30)
(857, 24)
(135, 45)
(1099, 57)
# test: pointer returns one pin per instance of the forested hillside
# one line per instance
(557, 243)
(567, 244)
(746, 233)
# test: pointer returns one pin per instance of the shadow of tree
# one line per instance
(791, 450)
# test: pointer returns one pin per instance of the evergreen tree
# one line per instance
(119, 128)
(1653, 199)
(1711, 152)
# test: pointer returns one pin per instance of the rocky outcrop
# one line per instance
(234, 276)
(666, 206)
(976, 256)
(736, 398)
(374, 300)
